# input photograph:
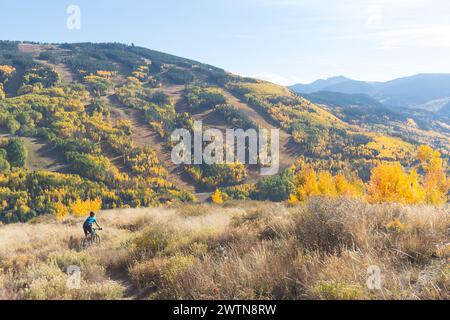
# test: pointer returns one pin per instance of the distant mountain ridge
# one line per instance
(422, 91)
(339, 84)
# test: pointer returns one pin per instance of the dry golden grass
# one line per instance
(241, 250)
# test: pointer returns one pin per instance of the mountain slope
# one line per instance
(416, 90)
(415, 125)
(107, 112)
(445, 110)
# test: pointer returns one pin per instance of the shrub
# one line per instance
(159, 272)
(174, 266)
(17, 153)
(49, 283)
(45, 282)
(277, 188)
(146, 274)
(217, 197)
(396, 225)
(321, 226)
(152, 240)
(106, 290)
(67, 258)
(332, 290)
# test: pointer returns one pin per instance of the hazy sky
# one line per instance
(285, 41)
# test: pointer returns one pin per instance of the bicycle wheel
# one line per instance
(85, 243)
(97, 240)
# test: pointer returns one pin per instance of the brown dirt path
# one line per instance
(41, 156)
(289, 151)
(175, 92)
(62, 69)
(142, 135)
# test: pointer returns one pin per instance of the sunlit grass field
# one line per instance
(321, 249)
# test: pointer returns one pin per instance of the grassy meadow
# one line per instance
(320, 249)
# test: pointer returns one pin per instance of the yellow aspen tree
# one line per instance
(326, 184)
(217, 197)
(390, 183)
(435, 181)
(307, 183)
(341, 184)
(292, 200)
(61, 211)
(82, 208)
(6, 71)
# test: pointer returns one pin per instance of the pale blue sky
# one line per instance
(285, 41)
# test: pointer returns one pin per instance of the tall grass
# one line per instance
(244, 250)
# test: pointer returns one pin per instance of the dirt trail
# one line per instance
(142, 135)
(289, 151)
(62, 69)
(33, 49)
(175, 92)
(130, 291)
(65, 74)
(41, 156)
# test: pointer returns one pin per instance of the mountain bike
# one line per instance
(91, 239)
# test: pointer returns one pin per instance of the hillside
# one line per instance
(423, 98)
(248, 250)
(416, 125)
(88, 125)
(355, 106)
(412, 107)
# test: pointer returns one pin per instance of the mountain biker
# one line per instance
(87, 226)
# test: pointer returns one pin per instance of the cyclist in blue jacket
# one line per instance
(87, 226)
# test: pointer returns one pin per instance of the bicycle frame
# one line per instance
(91, 236)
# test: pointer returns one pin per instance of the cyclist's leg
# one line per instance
(91, 232)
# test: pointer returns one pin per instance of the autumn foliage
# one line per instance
(104, 164)
(435, 183)
(217, 197)
(309, 183)
(391, 183)
(6, 71)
